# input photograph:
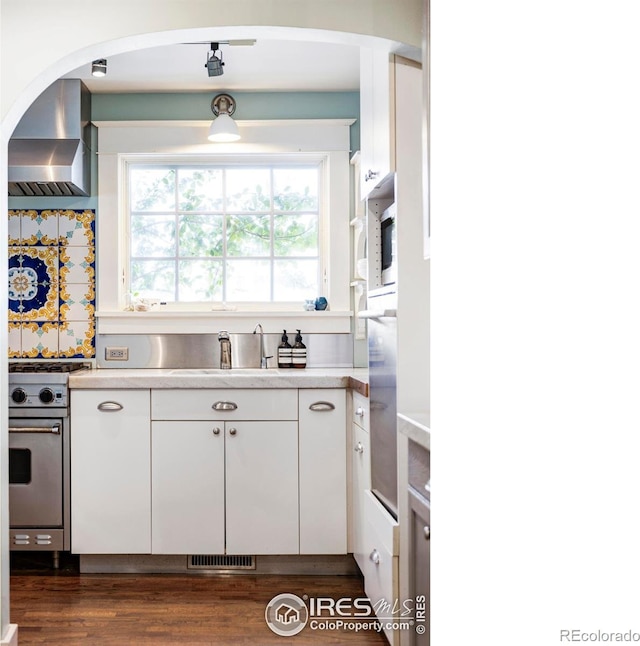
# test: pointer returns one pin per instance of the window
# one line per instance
(241, 232)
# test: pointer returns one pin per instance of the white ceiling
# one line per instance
(267, 66)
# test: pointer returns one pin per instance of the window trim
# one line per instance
(227, 160)
(328, 139)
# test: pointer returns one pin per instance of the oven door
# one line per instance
(35, 472)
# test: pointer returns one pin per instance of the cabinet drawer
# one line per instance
(381, 564)
(360, 482)
(360, 413)
(223, 404)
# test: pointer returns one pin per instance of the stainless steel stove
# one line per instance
(39, 455)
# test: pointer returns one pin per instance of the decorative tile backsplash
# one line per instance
(52, 284)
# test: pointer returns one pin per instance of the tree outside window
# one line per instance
(236, 233)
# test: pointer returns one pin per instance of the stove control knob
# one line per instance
(19, 396)
(46, 395)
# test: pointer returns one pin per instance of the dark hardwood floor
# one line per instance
(160, 609)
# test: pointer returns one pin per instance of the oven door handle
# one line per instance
(378, 314)
(36, 429)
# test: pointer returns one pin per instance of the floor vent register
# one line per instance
(221, 562)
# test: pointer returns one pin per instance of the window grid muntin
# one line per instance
(225, 213)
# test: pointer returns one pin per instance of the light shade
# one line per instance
(99, 67)
(223, 129)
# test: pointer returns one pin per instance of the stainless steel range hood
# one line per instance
(49, 151)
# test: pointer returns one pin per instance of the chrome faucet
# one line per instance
(225, 350)
(263, 359)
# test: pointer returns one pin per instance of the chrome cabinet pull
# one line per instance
(232, 431)
(427, 532)
(359, 448)
(224, 406)
(359, 411)
(110, 407)
(216, 431)
(322, 407)
(55, 429)
(375, 557)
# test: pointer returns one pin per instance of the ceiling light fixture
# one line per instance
(214, 63)
(223, 128)
(99, 67)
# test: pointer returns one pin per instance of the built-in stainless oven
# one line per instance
(36, 485)
(383, 349)
(39, 456)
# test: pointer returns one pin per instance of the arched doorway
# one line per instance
(347, 28)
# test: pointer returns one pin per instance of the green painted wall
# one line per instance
(249, 106)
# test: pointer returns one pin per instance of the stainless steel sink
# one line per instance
(199, 372)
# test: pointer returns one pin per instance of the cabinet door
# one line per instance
(361, 481)
(323, 471)
(377, 106)
(187, 484)
(110, 472)
(262, 487)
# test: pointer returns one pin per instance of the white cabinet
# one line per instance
(381, 565)
(211, 471)
(323, 471)
(110, 472)
(187, 487)
(360, 476)
(262, 488)
(377, 105)
(224, 482)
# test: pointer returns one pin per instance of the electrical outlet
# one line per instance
(113, 353)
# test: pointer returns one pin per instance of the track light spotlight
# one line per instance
(99, 67)
(214, 63)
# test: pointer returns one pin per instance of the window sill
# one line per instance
(238, 322)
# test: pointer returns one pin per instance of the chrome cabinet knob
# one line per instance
(216, 431)
(375, 557)
(427, 532)
(359, 411)
(232, 431)
(359, 448)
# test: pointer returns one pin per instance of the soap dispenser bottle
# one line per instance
(284, 352)
(299, 352)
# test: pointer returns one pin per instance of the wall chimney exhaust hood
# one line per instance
(49, 152)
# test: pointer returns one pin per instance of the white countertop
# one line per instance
(417, 427)
(214, 378)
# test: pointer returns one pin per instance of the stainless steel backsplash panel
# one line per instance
(203, 350)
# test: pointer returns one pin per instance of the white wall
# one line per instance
(97, 29)
(413, 269)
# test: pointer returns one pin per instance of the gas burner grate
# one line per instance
(42, 367)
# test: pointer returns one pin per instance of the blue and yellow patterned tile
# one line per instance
(77, 264)
(76, 228)
(77, 302)
(15, 218)
(33, 283)
(39, 228)
(40, 340)
(15, 340)
(77, 339)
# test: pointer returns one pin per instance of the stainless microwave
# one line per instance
(388, 246)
